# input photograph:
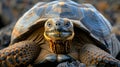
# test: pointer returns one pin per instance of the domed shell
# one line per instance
(87, 16)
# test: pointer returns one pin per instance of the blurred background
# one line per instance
(11, 10)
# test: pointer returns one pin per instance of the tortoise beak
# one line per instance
(59, 34)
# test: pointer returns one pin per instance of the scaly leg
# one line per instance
(19, 54)
(94, 56)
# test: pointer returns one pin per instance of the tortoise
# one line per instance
(58, 31)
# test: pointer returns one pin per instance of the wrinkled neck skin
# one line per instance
(60, 46)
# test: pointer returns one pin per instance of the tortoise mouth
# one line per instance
(58, 35)
(60, 46)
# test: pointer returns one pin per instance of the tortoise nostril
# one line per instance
(58, 24)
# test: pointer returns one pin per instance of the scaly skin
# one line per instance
(19, 54)
(92, 55)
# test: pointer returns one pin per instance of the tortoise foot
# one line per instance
(56, 58)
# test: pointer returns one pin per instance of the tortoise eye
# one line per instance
(49, 24)
(67, 24)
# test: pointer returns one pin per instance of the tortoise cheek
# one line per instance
(46, 37)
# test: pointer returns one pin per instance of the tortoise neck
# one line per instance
(60, 47)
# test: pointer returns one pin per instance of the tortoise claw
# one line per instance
(49, 58)
(62, 58)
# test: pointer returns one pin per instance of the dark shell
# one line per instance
(89, 18)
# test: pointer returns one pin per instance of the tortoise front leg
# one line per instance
(19, 54)
(94, 56)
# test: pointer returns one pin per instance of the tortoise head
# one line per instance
(59, 32)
